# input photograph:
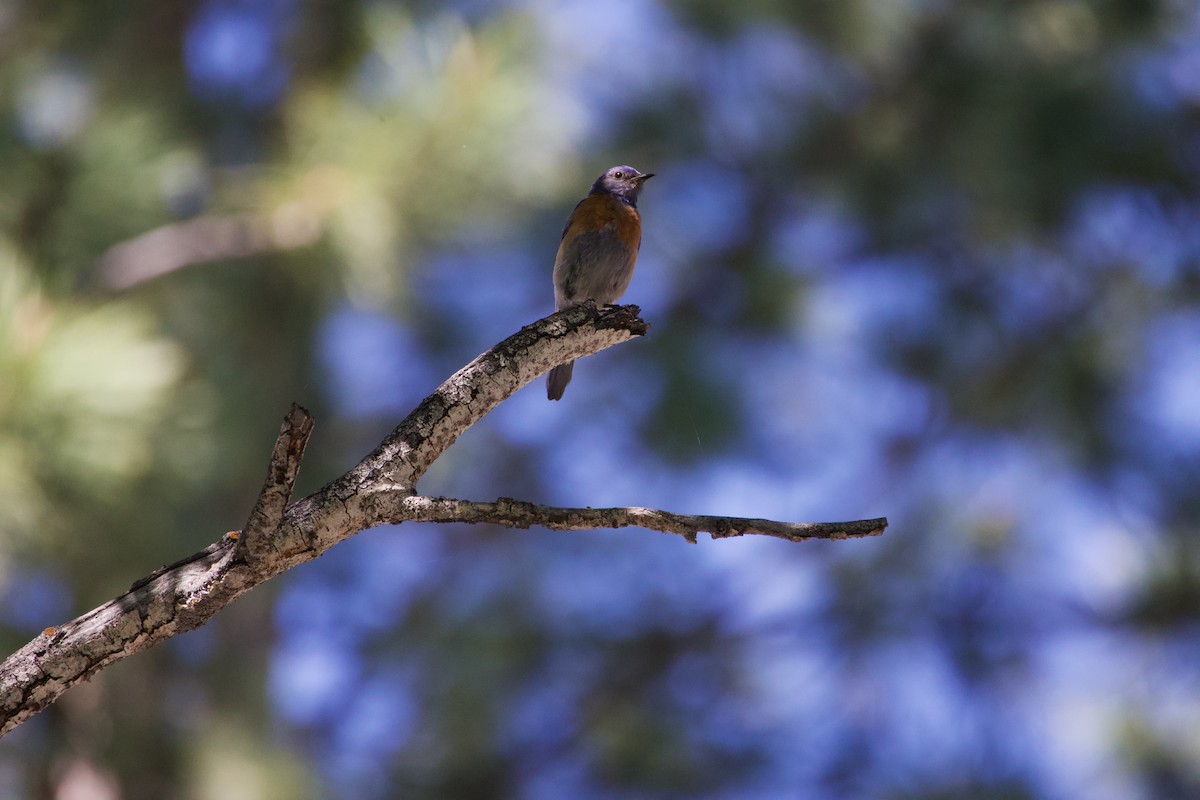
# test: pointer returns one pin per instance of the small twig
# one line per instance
(520, 514)
(259, 533)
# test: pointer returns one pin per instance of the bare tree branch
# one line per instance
(520, 514)
(210, 238)
(381, 489)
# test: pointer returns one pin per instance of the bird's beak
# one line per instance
(645, 177)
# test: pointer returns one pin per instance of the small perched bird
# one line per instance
(598, 250)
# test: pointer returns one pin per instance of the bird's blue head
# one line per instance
(623, 183)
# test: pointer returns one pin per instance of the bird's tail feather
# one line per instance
(557, 380)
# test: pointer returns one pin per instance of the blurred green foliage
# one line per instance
(932, 260)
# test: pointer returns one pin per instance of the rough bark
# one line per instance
(380, 490)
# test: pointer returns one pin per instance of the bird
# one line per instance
(599, 247)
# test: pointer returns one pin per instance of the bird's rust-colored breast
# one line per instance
(600, 212)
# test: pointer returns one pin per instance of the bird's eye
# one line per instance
(618, 174)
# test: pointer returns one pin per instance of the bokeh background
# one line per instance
(926, 259)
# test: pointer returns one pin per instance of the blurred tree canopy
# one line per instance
(934, 260)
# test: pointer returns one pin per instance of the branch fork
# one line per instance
(381, 489)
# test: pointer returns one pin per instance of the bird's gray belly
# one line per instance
(594, 267)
